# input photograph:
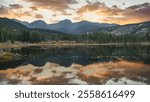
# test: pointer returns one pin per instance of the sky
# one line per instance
(102, 11)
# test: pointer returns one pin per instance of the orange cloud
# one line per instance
(12, 12)
(34, 8)
(39, 16)
(16, 11)
(114, 14)
(57, 5)
(3, 10)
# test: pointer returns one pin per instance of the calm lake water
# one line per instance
(79, 65)
(83, 55)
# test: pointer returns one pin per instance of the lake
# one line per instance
(85, 56)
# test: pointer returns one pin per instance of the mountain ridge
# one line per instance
(16, 25)
(136, 28)
(67, 26)
(82, 27)
(8, 23)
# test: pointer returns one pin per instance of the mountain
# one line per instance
(63, 26)
(79, 27)
(35, 24)
(137, 28)
(12, 30)
(17, 25)
(38, 24)
(11, 24)
(86, 26)
(67, 26)
(60, 25)
(22, 22)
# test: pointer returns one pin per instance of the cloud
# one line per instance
(18, 12)
(66, 14)
(54, 15)
(34, 8)
(114, 14)
(88, 10)
(24, 13)
(15, 6)
(57, 5)
(13, 11)
(39, 16)
(88, 2)
(3, 10)
(139, 12)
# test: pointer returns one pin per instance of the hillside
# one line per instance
(11, 30)
(11, 24)
(137, 28)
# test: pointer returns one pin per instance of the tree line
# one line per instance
(34, 36)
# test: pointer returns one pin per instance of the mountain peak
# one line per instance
(66, 21)
(38, 24)
(39, 21)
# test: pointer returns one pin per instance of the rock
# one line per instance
(93, 58)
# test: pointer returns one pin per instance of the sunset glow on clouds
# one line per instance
(103, 11)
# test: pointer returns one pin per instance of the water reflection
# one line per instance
(119, 72)
(83, 55)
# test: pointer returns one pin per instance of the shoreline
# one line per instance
(85, 44)
(22, 44)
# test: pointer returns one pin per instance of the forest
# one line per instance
(33, 36)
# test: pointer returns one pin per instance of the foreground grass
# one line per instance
(10, 45)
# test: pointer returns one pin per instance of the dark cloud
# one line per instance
(124, 4)
(88, 2)
(140, 6)
(15, 6)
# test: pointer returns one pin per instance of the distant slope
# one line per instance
(15, 25)
(46, 31)
(137, 28)
(11, 24)
(22, 22)
(85, 26)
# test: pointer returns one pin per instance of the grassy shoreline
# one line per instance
(21, 44)
(85, 44)
(10, 45)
